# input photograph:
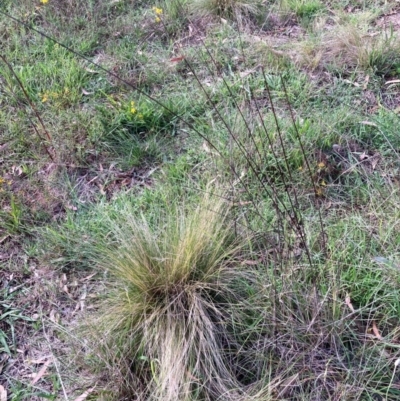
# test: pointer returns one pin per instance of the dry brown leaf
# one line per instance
(348, 303)
(368, 123)
(83, 297)
(244, 74)
(242, 203)
(77, 306)
(41, 372)
(3, 393)
(84, 293)
(4, 146)
(17, 287)
(176, 59)
(54, 316)
(366, 82)
(376, 331)
(88, 277)
(83, 396)
(356, 84)
(40, 360)
(2, 239)
(65, 289)
(374, 162)
(91, 71)
(207, 149)
(3, 361)
(251, 262)
(17, 170)
(86, 93)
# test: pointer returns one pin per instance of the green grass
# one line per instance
(113, 231)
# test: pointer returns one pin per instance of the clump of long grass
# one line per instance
(167, 313)
(226, 8)
(347, 47)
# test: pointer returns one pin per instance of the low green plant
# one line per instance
(305, 9)
(12, 217)
(9, 315)
(20, 391)
(172, 17)
(135, 130)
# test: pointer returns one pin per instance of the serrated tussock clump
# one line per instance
(167, 318)
(226, 8)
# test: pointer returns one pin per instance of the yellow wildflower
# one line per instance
(140, 116)
(321, 165)
(157, 10)
(158, 19)
(133, 108)
(45, 97)
(44, 1)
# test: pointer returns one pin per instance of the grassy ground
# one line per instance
(199, 200)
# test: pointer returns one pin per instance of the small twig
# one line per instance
(54, 358)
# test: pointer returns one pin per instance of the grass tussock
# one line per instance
(167, 312)
(226, 8)
(347, 48)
